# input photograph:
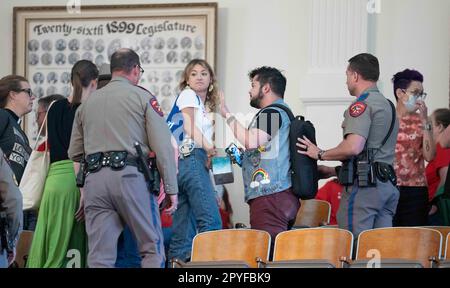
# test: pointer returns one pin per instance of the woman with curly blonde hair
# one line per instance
(193, 130)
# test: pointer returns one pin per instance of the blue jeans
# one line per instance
(196, 202)
(127, 251)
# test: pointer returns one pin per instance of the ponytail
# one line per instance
(83, 72)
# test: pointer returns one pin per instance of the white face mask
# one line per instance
(410, 105)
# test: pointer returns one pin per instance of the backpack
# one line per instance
(304, 171)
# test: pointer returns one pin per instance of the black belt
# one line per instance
(117, 160)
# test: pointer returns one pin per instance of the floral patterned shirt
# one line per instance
(409, 162)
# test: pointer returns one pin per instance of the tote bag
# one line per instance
(35, 173)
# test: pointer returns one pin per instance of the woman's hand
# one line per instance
(223, 107)
(210, 152)
(172, 205)
(79, 215)
(423, 111)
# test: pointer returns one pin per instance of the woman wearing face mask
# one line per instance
(60, 239)
(414, 145)
(436, 171)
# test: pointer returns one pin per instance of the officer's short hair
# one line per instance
(45, 101)
(270, 75)
(124, 60)
(366, 65)
(402, 79)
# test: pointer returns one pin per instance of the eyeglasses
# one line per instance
(140, 69)
(27, 90)
(419, 96)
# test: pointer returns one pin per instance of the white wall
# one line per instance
(251, 33)
(415, 34)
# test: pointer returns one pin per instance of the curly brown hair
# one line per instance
(212, 97)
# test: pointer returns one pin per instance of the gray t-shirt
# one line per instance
(370, 116)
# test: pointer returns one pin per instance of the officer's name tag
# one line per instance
(222, 170)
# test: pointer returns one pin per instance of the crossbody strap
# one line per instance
(44, 123)
(392, 124)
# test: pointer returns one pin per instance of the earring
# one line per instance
(211, 87)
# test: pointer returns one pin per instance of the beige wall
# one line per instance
(407, 33)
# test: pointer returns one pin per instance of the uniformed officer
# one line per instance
(10, 213)
(370, 197)
(105, 129)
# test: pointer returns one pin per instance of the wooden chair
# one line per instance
(409, 247)
(232, 248)
(22, 249)
(312, 248)
(447, 248)
(446, 262)
(313, 213)
(445, 230)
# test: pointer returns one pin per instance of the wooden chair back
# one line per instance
(313, 213)
(231, 244)
(407, 243)
(314, 243)
(23, 248)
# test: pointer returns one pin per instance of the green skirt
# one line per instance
(59, 241)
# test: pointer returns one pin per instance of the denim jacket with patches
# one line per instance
(268, 172)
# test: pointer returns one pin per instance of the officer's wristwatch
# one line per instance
(427, 126)
(319, 155)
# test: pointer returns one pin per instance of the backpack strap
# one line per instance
(282, 107)
(392, 124)
(285, 109)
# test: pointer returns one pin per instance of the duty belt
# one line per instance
(117, 160)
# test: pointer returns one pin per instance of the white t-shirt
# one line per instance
(188, 98)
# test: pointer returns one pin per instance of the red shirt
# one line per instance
(225, 215)
(166, 220)
(41, 147)
(442, 159)
(331, 192)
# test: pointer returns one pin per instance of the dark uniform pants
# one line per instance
(368, 207)
(115, 198)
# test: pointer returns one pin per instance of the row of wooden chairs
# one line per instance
(320, 247)
(251, 247)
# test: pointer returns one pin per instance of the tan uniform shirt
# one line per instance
(12, 199)
(370, 116)
(116, 116)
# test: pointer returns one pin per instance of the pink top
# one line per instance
(409, 162)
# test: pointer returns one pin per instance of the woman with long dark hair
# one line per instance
(60, 237)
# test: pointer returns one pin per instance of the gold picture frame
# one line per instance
(47, 41)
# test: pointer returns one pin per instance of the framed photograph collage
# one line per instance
(49, 40)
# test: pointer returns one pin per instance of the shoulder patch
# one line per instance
(155, 105)
(357, 108)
